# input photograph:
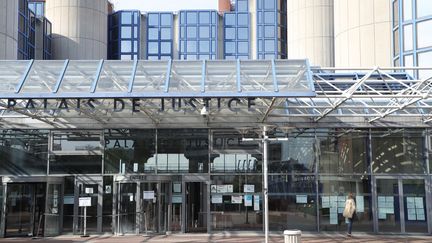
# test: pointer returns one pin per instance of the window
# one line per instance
(269, 18)
(166, 33)
(165, 47)
(191, 18)
(243, 33)
(126, 18)
(269, 46)
(230, 47)
(425, 60)
(230, 19)
(153, 48)
(395, 13)
(408, 38)
(166, 19)
(204, 32)
(269, 4)
(424, 36)
(126, 32)
(269, 32)
(191, 32)
(230, 33)
(243, 19)
(126, 46)
(204, 17)
(153, 33)
(424, 8)
(153, 19)
(204, 46)
(396, 42)
(243, 47)
(407, 9)
(191, 46)
(242, 6)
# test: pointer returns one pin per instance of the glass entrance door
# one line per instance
(127, 212)
(196, 220)
(154, 206)
(88, 189)
(25, 207)
(401, 205)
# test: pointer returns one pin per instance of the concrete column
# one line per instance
(9, 29)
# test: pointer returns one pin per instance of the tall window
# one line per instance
(37, 7)
(236, 32)
(26, 27)
(412, 41)
(159, 36)
(124, 35)
(47, 41)
(198, 35)
(272, 29)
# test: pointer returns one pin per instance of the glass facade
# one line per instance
(237, 32)
(47, 39)
(309, 178)
(124, 28)
(272, 29)
(37, 7)
(412, 41)
(26, 31)
(160, 35)
(198, 35)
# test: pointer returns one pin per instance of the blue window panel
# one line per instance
(424, 8)
(269, 17)
(166, 48)
(269, 4)
(204, 32)
(243, 33)
(165, 57)
(191, 46)
(269, 46)
(230, 19)
(243, 19)
(230, 57)
(126, 17)
(126, 32)
(153, 19)
(166, 19)
(241, 5)
(153, 48)
(191, 32)
(213, 46)
(204, 57)
(153, 33)
(191, 18)
(126, 46)
(243, 47)
(182, 46)
(230, 33)
(153, 58)
(191, 57)
(182, 32)
(166, 34)
(214, 31)
(269, 32)
(230, 47)
(135, 31)
(135, 46)
(204, 18)
(204, 46)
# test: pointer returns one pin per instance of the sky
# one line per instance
(164, 5)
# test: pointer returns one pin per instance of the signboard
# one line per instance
(256, 202)
(135, 167)
(148, 195)
(85, 201)
(301, 198)
(236, 199)
(177, 187)
(89, 190)
(249, 188)
(248, 200)
(176, 199)
(216, 199)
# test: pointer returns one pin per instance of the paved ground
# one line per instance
(231, 238)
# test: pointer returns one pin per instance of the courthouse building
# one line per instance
(146, 115)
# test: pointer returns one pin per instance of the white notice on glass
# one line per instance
(249, 188)
(381, 202)
(221, 189)
(333, 218)
(89, 190)
(301, 198)
(229, 188)
(412, 214)
(325, 202)
(177, 188)
(84, 201)
(148, 195)
(216, 199)
(256, 202)
(236, 199)
(135, 167)
(359, 204)
(418, 202)
(410, 202)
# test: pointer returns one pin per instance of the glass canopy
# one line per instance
(155, 79)
(218, 93)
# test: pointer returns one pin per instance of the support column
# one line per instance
(138, 211)
(100, 206)
(3, 213)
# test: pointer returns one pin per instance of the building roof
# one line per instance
(217, 93)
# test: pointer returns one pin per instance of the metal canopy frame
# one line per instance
(283, 91)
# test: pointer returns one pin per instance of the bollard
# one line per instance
(292, 236)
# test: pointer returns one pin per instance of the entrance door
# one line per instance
(196, 213)
(127, 213)
(89, 188)
(25, 207)
(154, 206)
(401, 205)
